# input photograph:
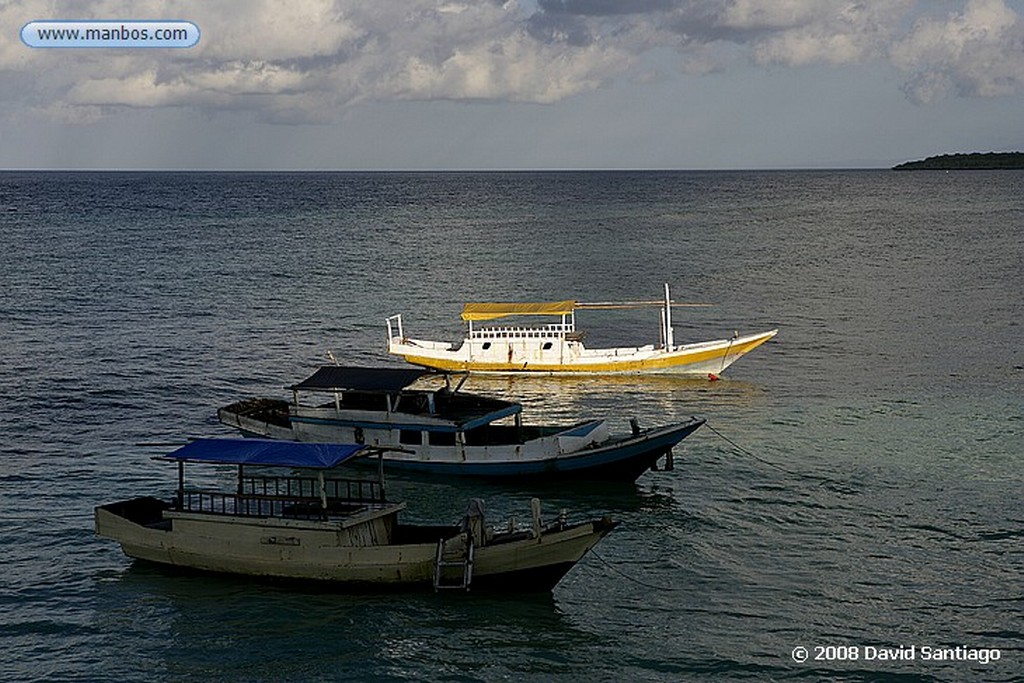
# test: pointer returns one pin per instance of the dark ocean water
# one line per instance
(858, 487)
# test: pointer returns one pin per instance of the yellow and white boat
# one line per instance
(558, 347)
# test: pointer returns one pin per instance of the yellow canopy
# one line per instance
(488, 311)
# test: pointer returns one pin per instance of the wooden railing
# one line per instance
(539, 331)
(294, 497)
(351, 490)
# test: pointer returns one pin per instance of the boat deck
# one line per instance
(443, 404)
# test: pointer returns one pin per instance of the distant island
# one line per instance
(976, 161)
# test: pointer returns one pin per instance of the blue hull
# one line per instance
(621, 459)
(624, 460)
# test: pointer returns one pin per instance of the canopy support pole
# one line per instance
(669, 337)
(181, 484)
(323, 492)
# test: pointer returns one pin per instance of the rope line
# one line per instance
(627, 576)
(743, 450)
(739, 448)
(780, 468)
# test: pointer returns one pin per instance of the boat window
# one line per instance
(547, 346)
(441, 438)
(410, 436)
(487, 345)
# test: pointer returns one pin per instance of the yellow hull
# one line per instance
(704, 359)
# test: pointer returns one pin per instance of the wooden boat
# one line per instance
(558, 347)
(308, 526)
(447, 431)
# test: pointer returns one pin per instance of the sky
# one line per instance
(518, 84)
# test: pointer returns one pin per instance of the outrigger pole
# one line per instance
(667, 336)
(567, 309)
(666, 303)
(636, 304)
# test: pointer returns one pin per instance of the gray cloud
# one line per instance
(978, 52)
(304, 62)
(597, 8)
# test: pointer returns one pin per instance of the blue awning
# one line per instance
(264, 452)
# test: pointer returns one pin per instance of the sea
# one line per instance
(851, 511)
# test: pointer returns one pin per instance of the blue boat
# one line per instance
(450, 432)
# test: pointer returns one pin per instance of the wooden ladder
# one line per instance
(463, 559)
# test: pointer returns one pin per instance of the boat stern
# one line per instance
(138, 525)
(258, 417)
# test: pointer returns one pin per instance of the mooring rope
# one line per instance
(739, 448)
(631, 578)
(743, 450)
(780, 468)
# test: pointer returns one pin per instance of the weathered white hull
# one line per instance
(517, 354)
(341, 551)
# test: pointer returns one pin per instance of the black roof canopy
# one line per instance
(338, 377)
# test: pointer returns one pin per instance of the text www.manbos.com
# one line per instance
(110, 34)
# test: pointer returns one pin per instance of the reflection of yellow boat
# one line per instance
(558, 347)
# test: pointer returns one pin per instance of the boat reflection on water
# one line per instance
(618, 398)
(184, 622)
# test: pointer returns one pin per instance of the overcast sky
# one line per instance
(486, 84)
